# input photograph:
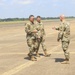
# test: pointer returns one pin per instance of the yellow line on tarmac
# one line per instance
(54, 49)
(26, 53)
(23, 66)
(19, 68)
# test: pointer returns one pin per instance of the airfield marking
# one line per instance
(23, 66)
(29, 63)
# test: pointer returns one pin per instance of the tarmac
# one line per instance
(14, 50)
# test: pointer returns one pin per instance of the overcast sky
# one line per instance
(44, 8)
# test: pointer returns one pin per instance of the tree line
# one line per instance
(23, 19)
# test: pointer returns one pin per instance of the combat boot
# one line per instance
(65, 62)
(29, 55)
(46, 54)
(33, 58)
(37, 54)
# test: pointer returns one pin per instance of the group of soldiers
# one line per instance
(35, 35)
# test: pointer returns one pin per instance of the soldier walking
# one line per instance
(41, 37)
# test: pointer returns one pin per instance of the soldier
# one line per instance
(31, 31)
(41, 37)
(64, 36)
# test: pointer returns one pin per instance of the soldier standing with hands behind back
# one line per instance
(64, 36)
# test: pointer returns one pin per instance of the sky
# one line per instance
(44, 8)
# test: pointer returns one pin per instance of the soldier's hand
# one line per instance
(35, 31)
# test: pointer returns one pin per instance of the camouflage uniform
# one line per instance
(41, 37)
(64, 35)
(31, 38)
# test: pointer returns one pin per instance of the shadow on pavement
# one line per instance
(59, 59)
(27, 58)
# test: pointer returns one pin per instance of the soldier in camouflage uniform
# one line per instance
(30, 29)
(41, 36)
(64, 36)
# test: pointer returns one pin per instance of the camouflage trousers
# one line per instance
(41, 42)
(65, 46)
(32, 44)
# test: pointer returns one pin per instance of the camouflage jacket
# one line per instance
(29, 28)
(40, 28)
(64, 31)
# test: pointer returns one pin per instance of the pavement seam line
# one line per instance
(26, 53)
(23, 66)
